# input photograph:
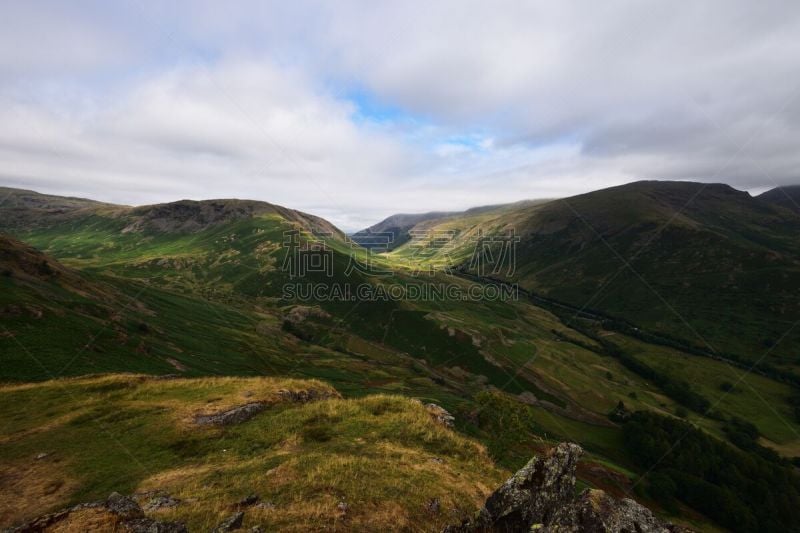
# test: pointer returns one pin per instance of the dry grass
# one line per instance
(31, 487)
(98, 519)
(367, 464)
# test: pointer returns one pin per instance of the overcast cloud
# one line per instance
(357, 110)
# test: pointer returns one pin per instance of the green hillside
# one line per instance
(705, 264)
(198, 289)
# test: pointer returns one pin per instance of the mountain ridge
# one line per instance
(787, 196)
(24, 208)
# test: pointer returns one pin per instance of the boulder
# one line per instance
(541, 497)
(124, 507)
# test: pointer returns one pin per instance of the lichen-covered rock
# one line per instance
(595, 510)
(541, 497)
(123, 506)
(157, 500)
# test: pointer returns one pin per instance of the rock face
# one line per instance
(541, 497)
(117, 513)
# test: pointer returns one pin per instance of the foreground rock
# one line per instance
(117, 513)
(541, 497)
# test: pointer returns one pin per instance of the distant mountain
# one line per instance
(399, 226)
(787, 196)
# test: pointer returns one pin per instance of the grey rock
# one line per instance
(161, 501)
(541, 497)
(597, 511)
(123, 506)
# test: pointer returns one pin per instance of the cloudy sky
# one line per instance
(356, 110)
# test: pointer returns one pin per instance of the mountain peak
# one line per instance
(787, 196)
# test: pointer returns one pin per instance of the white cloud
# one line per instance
(501, 101)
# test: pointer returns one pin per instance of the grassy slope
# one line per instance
(132, 433)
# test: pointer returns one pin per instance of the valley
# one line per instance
(126, 322)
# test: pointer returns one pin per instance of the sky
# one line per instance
(355, 110)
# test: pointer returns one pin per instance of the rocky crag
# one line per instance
(541, 497)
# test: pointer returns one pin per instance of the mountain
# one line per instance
(23, 210)
(401, 226)
(787, 196)
(398, 226)
(205, 289)
(684, 259)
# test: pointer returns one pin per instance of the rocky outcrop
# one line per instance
(243, 413)
(541, 497)
(440, 415)
(117, 513)
(237, 415)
